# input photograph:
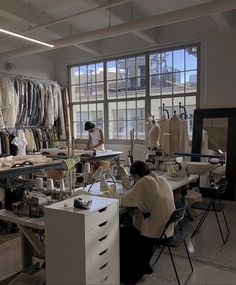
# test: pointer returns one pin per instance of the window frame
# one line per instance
(147, 97)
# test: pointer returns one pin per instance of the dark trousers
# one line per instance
(135, 254)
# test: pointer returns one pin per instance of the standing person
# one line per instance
(154, 200)
(96, 139)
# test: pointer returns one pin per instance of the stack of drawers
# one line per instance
(82, 246)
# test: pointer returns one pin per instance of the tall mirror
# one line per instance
(215, 133)
(220, 126)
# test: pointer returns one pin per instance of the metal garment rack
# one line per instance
(26, 77)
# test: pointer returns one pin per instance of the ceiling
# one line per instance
(80, 23)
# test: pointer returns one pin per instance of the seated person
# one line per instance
(154, 199)
(96, 139)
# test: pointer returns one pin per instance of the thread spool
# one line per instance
(38, 183)
(87, 167)
(62, 185)
(50, 184)
(128, 161)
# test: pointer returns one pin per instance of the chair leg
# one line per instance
(219, 226)
(200, 223)
(228, 232)
(189, 258)
(158, 255)
(173, 263)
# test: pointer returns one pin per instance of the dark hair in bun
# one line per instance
(89, 125)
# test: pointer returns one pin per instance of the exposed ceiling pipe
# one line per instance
(137, 25)
(70, 17)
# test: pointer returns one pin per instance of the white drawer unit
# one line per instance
(82, 246)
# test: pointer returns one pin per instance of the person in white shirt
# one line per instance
(154, 200)
(96, 138)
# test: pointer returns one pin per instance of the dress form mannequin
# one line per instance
(154, 135)
(148, 126)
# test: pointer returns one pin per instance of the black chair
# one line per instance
(214, 205)
(174, 241)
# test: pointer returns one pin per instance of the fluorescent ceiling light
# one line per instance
(25, 38)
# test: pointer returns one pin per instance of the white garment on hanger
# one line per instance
(21, 142)
(165, 135)
(9, 102)
(49, 107)
(179, 139)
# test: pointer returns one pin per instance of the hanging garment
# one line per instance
(10, 102)
(20, 141)
(179, 135)
(165, 135)
(49, 107)
(42, 96)
(5, 142)
(57, 90)
(31, 146)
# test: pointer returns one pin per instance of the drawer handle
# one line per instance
(103, 252)
(104, 280)
(103, 224)
(102, 210)
(103, 266)
(102, 238)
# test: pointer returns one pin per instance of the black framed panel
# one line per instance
(230, 114)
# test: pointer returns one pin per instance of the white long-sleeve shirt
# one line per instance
(153, 194)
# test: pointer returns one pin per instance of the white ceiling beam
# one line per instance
(64, 19)
(118, 18)
(221, 21)
(12, 15)
(189, 13)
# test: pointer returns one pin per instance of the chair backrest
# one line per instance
(175, 217)
(221, 187)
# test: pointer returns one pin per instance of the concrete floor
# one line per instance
(214, 263)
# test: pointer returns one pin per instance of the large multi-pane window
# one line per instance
(118, 94)
(87, 96)
(126, 91)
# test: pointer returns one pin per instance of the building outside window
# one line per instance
(118, 94)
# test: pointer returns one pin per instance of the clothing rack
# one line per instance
(26, 77)
(184, 112)
(165, 110)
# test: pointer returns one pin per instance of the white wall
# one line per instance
(218, 84)
(31, 66)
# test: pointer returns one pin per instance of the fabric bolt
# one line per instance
(66, 109)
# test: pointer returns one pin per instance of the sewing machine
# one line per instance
(31, 205)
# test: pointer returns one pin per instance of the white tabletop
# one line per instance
(39, 223)
(35, 223)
